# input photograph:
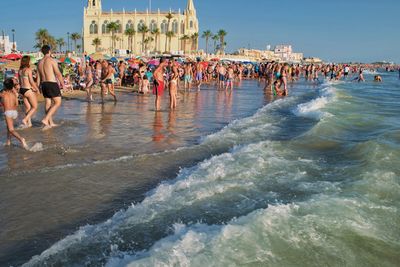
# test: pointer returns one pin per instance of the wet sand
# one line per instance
(103, 158)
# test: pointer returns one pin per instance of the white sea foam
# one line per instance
(37, 147)
(277, 235)
(237, 174)
(314, 108)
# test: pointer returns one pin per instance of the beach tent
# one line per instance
(13, 56)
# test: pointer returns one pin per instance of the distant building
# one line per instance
(282, 53)
(185, 23)
(6, 46)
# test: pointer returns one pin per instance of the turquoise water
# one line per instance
(309, 180)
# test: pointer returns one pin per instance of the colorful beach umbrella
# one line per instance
(114, 59)
(67, 60)
(154, 62)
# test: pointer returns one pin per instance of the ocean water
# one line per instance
(308, 180)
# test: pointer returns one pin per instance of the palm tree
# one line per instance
(130, 32)
(75, 37)
(147, 41)
(195, 40)
(42, 37)
(169, 35)
(221, 35)
(215, 38)
(184, 39)
(96, 42)
(207, 35)
(143, 29)
(113, 27)
(169, 16)
(156, 33)
(60, 42)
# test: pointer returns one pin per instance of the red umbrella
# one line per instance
(205, 64)
(13, 56)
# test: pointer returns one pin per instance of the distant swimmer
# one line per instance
(360, 76)
(377, 78)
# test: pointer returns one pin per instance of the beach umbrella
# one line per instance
(114, 59)
(134, 66)
(67, 60)
(154, 62)
(204, 63)
(13, 56)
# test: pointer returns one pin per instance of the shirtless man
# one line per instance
(121, 69)
(51, 82)
(106, 81)
(199, 74)
(159, 84)
(221, 76)
(188, 76)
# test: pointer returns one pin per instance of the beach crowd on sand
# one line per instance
(155, 77)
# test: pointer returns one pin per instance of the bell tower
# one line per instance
(93, 7)
(191, 22)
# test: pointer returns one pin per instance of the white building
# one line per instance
(6, 46)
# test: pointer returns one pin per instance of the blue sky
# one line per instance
(335, 30)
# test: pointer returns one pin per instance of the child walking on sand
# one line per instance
(10, 103)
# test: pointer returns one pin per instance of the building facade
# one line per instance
(175, 35)
(7, 46)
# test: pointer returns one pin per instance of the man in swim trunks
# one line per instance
(107, 75)
(51, 82)
(159, 84)
(10, 103)
(199, 74)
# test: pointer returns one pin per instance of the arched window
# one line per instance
(191, 24)
(119, 27)
(104, 28)
(93, 28)
(140, 25)
(129, 25)
(94, 2)
(175, 26)
(182, 27)
(153, 25)
(164, 26)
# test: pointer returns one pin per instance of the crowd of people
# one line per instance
(167, 75)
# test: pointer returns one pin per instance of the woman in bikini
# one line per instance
(27, 90)
(89, 81)
(173, 86)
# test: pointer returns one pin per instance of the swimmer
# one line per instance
(377, 78)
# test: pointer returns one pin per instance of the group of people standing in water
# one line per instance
(168, 75)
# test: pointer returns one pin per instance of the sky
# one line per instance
(334, 30)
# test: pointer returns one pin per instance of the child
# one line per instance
(145, 85)
(10, 104)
